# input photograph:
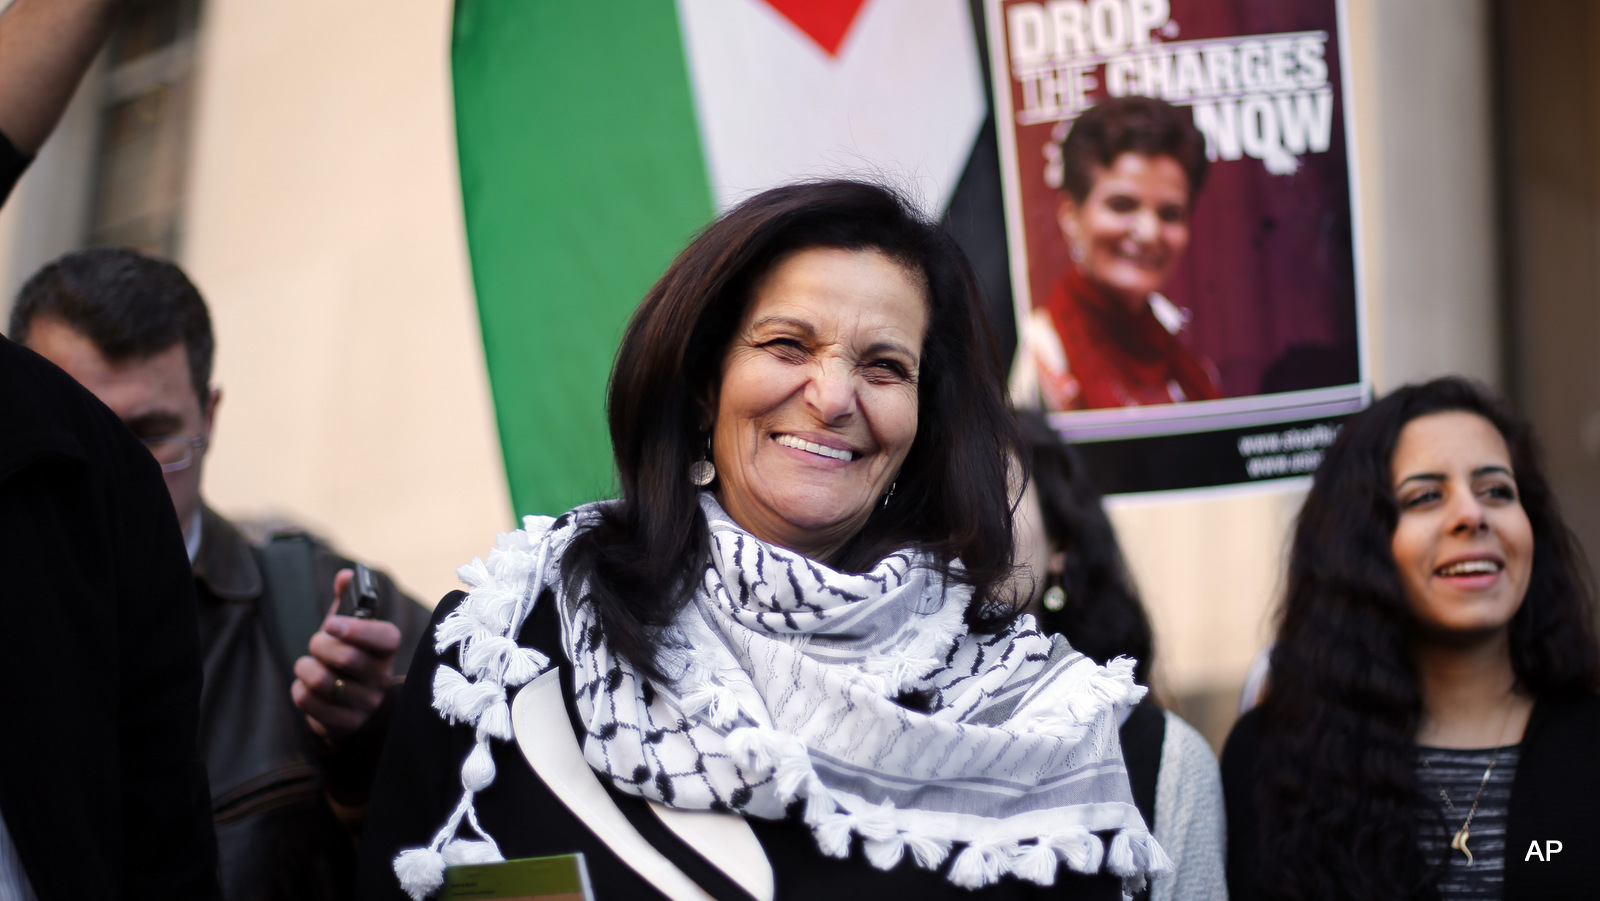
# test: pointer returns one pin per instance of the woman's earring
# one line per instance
(1055, 598)
(1076, 251)
(891, 492)
(703, 472)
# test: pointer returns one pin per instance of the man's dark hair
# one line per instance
(130, 305)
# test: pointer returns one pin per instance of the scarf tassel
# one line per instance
(904, 666)
(421, 872)
(981, 863)
(885, 853)
(500, 659)
(1109, 687)
(833, 834)
(719, 701)
(460, 701)
(465, 852)
(1036, 863)
(929, 853)
(1120, 858)
(1081, 849)
(753, 752)
(478, 772)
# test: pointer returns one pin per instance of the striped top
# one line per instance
(1458, 774)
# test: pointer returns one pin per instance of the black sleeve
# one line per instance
(12, 165)
(401, 609)
(170, 843)
(99, 759)
(418, 779)
(1239, 756)
(1553, 797)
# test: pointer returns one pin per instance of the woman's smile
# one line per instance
(1462, 543)
(1130, 231)
(841, 454)
(817, 407)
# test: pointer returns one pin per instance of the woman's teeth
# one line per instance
(1469, 568)
(834, 452)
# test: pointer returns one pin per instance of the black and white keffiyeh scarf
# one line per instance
(783, 679)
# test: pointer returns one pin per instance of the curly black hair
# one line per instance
(1338, 725)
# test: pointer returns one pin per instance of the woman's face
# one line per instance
(1130, 232)
(1463, 543)
(817, 405)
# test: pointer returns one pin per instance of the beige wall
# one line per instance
(325, 228)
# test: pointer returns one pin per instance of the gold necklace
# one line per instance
(1459, 842)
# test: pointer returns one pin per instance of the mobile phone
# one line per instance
(360, 598)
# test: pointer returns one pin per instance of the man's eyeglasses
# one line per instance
(174, 452)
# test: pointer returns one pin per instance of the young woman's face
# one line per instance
(1463, 544)
(1129, 233)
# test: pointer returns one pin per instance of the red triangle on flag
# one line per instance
(825, 21)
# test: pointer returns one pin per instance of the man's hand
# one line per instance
(350, 666)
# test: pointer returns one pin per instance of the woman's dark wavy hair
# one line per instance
(1339, 720)
(1143, 125)
(1103, 616)
(642, 560)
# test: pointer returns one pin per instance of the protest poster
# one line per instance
(1182, 338)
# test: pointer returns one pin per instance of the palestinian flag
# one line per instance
(596, 138)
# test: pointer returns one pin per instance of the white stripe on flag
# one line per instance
(902, 103)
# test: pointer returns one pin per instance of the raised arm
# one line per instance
(45, 47)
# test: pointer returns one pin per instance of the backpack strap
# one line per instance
(289, 606)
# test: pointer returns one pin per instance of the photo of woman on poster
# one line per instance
(1104, 336)
(1177, 189)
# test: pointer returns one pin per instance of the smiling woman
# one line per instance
(819, 397)
(1104, 336)
(793, 622)
(1431, 710)
(1462, 543)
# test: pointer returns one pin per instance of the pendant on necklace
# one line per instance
(1459, 843)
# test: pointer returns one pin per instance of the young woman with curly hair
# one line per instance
(1430, 727)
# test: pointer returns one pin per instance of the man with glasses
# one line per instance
(286, 788)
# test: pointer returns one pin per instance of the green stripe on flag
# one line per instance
(582, 176)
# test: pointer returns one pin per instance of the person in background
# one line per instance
(1075, 583)
(102, 793)
(1131, 169)
(1430, 727)
(777, 667)
(287, 786)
